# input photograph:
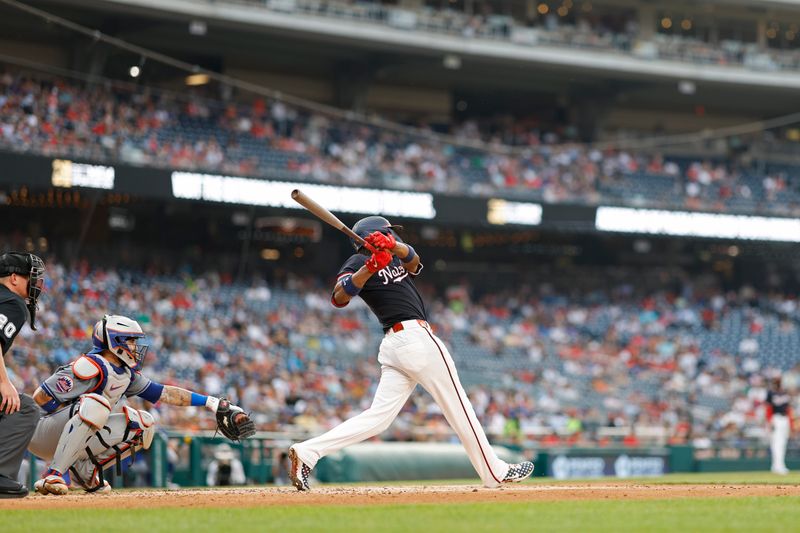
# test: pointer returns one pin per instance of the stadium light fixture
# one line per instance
(687, 87)
(134, 71)
(194, 80)
(451, 62)
(270, 254)
(198, 27)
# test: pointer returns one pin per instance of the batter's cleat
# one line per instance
(298, 471)
(780, 471)
(518, 472)
(10, 488)
(53, 482)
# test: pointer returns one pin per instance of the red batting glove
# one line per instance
(378, 261)
(381, 240)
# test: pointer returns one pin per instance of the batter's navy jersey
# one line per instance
(13, 315)
(779, 402)
(390, 292)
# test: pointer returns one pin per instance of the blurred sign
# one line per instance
(250, 191)
(505, 212)
(67, 173)
(287, 229)
(689, 224)
(623, 465)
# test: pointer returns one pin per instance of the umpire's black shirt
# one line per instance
(13, 315)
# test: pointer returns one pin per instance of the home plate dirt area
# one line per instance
(394, 495)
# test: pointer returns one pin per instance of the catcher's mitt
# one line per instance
(233, 422)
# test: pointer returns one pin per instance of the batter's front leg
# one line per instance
(440, 379)
(393, 390)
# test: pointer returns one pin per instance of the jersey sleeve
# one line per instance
(64, 386)
(12, 317)
(144, 387)
(352, 265)
(349, 267)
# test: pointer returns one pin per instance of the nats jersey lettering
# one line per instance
(394, 274)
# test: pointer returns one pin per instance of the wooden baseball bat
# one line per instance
(326, 216)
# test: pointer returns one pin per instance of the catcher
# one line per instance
(81, 437)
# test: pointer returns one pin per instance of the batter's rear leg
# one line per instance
(393, 390)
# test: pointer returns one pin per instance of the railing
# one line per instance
(504, 28)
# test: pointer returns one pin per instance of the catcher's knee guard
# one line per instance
(141, 420)
(138, 434)
(94, 410)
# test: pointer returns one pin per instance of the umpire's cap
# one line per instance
(368, 225)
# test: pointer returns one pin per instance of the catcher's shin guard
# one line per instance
(92, 415)
(122, 443)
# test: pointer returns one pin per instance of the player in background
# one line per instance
(21, 281)
(409, 354)
(80, 436)
(779, 417)
(225, 469)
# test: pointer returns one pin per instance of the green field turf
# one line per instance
(680, 515)
(780, 513)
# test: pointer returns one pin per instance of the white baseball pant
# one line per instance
(778, 440)
(407, 357)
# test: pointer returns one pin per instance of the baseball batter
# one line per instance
(409, 354)
(80, 436)
(779, 416)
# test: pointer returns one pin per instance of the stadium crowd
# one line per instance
(142, 126)
(545, 365)
(585, 27)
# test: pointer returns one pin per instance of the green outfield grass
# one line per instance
(780, 513)
(680, 515)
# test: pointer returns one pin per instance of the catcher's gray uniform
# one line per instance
(83, 394)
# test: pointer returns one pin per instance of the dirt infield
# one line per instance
(272, 496)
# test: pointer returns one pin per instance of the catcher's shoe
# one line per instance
(298, 471)
(105, 489)
(53, 482)
(519, 472)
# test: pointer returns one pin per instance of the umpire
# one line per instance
(21, 280)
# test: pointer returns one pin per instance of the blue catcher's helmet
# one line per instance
(368, 225)
(120, 335)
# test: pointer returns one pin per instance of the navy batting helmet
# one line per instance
(368, 225)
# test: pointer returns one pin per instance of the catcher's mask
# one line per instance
(370, 224)
(30, 266)
(120, 335)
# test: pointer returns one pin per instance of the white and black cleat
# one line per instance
(298, 471)
(519, 472)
